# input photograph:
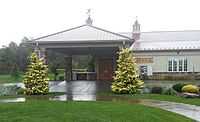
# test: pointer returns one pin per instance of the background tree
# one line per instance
(24, 51)
(8, 58)
(55, 61)
(36, 78)
(83, 62)
(14, 57)
(15, 72)
(126, 79)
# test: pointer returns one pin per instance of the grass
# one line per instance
(178, 99)
(171, 98)
(55, 111)
(33, 97)
(7, 78)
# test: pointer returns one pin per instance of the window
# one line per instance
(185, 65)
(178, 65)
(143, 70)
(170, 65)
(174, 65)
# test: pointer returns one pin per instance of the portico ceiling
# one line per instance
(96, 51)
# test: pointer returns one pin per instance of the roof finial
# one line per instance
(136, 19)
(89, 20)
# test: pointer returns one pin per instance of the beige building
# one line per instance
(166, 54)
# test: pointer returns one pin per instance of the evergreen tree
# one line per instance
(15, 72)
(36, 78)
(126, 79)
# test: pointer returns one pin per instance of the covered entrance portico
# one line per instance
(85, 40)
(104, 59)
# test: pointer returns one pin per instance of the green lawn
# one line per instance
(178, 99)
(9, 79)
(6, 78)
(54, 111)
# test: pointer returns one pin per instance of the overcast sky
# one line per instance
(34, 18)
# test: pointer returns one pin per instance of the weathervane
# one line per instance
(136, 20)
(136, 17)
(89, 20)
(88, 12)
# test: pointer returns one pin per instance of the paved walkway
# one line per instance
(190, 111)
(79, 87)
(78, 90)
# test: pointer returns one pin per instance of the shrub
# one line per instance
(146, 90)
(157, 90)
(169, 91)
(178, 87)
(190, 89)
(126, 79)
(20, 91)
(8, 90)
(61, 78)
(36, 78)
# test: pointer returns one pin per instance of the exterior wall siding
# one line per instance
(160, 64)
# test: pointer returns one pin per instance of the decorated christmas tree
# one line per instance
(36, 78)
(126, 79)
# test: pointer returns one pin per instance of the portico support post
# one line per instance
(68, 68)
(41, 53)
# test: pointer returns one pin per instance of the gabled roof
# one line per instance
(83, 33)
(167, 40)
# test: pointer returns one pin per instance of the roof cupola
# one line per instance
(136, 30)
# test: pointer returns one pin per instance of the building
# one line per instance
(85, 40)
(166, 54)
(160, 55)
